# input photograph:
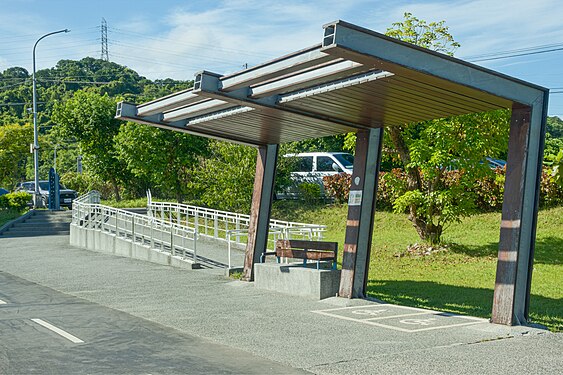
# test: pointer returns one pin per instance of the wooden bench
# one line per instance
(307, 250)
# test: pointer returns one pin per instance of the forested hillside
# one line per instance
(76, 105)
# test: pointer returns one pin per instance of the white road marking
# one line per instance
(3, 302)
(58, 331)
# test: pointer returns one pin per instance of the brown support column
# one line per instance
(519, 214)
(361, 209)
(261, 207)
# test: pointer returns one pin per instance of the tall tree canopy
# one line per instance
(429, 152)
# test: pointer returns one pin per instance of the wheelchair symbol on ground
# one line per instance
(422, 322)
(400, 318)
(368, 312)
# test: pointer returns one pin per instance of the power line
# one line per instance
(199, 46)
(526, 49)
(17, 104)
(519, 54)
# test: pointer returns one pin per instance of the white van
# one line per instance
(313, 166)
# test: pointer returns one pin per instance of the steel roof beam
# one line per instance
(355, 43)
(128, 112)
(288, 64)
(203, 107)
(306, 78)
(169, 102)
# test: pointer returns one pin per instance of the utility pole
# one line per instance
(37, 195)
(105, 50)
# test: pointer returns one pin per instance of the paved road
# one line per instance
(48, 332)
(334, 336)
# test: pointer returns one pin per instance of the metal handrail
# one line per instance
(221, 225)
(163, 235)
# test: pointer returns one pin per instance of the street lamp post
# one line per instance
(37, 194)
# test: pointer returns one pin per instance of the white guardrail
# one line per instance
(175, 228)
(179, 240)
(229, 226)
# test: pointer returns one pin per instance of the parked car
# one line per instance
(66, 196)
(311, 167)
(496, 163)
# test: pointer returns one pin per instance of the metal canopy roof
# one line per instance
(356, 78)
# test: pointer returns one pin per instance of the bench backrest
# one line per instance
(303, 249)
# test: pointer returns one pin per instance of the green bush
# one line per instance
(309, 192)
(16, 201)
(488, 191)
(85, 182)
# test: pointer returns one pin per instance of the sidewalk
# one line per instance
(334, 336)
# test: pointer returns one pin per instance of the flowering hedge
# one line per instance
(488, 191)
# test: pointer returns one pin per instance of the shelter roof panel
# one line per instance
(355, 79)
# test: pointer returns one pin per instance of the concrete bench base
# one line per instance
(297, 280)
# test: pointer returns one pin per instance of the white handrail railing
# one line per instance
(223, 225)
(178, 240)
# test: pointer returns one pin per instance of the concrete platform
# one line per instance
(297, 280)
(331, 336)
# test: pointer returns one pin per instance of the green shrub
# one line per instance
(85, 182)
(16, 201)
(488, 191)
(309, 192)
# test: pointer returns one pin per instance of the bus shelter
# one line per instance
(358, 80)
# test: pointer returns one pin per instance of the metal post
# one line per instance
(172, 239)
(519, 213)
(195, 247)
(237, 227)
(37, 195)
(116, 223)
(361, 209)
(184, 233)
(262, 196)
(133, 228)
(152, 232)
(229, 247)
(215, 226)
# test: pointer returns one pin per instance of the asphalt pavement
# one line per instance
(255, 328)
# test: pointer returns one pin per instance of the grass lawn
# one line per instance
(460, 279)
(9, 215)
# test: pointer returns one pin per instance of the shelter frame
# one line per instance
(358, 80)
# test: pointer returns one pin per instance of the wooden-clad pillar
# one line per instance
(519, 213)
(361, 210)
(260, 209)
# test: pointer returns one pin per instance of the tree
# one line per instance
(225, 180)
(555, 126)
(88, 117)
(14, 152)
(162, 159)
(441, 159)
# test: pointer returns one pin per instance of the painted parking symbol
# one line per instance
(369, 312)
(420, 322)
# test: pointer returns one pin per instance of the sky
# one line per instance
(175, 39)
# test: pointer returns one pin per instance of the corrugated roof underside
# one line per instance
(395, 101)
(269, 126)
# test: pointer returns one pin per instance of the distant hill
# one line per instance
(68, 76)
